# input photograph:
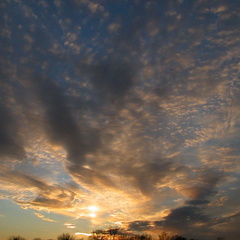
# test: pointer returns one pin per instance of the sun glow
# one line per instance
(93, 208)
(92, 214)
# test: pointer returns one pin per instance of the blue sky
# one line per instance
(119, 113)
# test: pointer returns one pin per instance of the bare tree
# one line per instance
(98, 234)
(143, 237)
(65, 236)
(177, 237)
(113, 231)
(163, 236)
(16, 238)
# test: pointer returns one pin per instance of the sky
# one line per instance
(120, 113)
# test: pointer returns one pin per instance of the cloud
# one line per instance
(186, 216)
(197, 202)
(92, 6)
(70, 225)
(197, 192)
(42, 196)
(205, 189)
(131, 107)
(44, 218)
(147, 177)
(10, 144)
(84, 234)
(42, 202)
(61, 127)
(139, 226)
(188, 221)
(90, 177)
(112, 78)
(114, 27)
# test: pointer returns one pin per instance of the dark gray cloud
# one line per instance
(146, 177)
(188, 221)
(139, 226)
(112, 78)
(199, 192)
(204, 188)
(197, 202)
(61, 127)
(10, 143)
(184, 217)
(227, 219)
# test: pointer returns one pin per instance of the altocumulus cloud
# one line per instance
(131, 107)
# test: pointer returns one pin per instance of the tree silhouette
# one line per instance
(177, 237)
(16, 238)
(98, 234)
(143, 237)
(164, 236)
(65, 236)
(113, 231)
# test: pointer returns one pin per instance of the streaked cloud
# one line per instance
(70, 225)
(44, 218)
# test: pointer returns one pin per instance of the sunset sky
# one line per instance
(120, 113)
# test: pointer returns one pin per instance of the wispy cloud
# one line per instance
(44, 218)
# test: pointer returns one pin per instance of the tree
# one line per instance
(163, 236)
(65, 236)
(177, 237)
(143, 237)
(16, 238)
(98, 234)
(113, 231)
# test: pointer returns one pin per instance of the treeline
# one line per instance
(119, 234)
(115, 234)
